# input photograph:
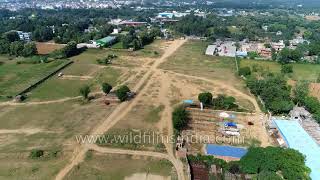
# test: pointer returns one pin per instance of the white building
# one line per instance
(24, 36)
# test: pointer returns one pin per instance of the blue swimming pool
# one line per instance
(297, 138)
(230, 151)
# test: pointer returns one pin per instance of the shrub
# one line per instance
(36, 153)
(180, 118)
(122, 93)
(285, 69)
(84, 91)
(245, 71)
(106, 88)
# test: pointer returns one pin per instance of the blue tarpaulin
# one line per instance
(230, 124)
(230, 151)
(189, 101)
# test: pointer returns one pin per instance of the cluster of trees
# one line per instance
(287, 55)
(267, 163)
(68, 51)
(138, 40)
(275, 162)
(241, 27)
(302, 97)
(121, 92)
(10, 44)
(66, 25)
(274, 92)
(221, 102)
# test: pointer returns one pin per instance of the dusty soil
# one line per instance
(46, 48)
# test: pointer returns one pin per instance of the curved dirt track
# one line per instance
(121, 111)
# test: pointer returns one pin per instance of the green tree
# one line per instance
(122, 93)
(290, 162)
(205, 98)
(42, 34)
(85, 91)
(136, 44)
(29, 49)
(4, 46)
(16, 48)
(36, 153)
(70, 49)
(106, 88)
(301, 91)
(180, 118)
(11, 36)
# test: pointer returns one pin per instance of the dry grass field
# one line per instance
(45, 48)
(108, 166)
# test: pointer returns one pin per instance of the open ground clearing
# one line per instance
(118, 167)
(191, 60)
(58, 114)
(55, 113)
(49, 127)
(47, 47)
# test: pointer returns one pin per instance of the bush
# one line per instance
(180, 118)
(205, 98)
(245, 71)
(36, 153)
(285, 69)
(84, 91)
(122, 93)
(316, 116)
(225, 102)
(106, 88)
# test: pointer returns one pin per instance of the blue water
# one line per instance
(229, 151)
(297, 138)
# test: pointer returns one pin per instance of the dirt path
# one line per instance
(20, 131)
(72, 77)
(175, 162)
(121, 112)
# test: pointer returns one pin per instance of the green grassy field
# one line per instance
(118, 167)
(300, 71)
(191, 60)
(15, 77)
(57, 88)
